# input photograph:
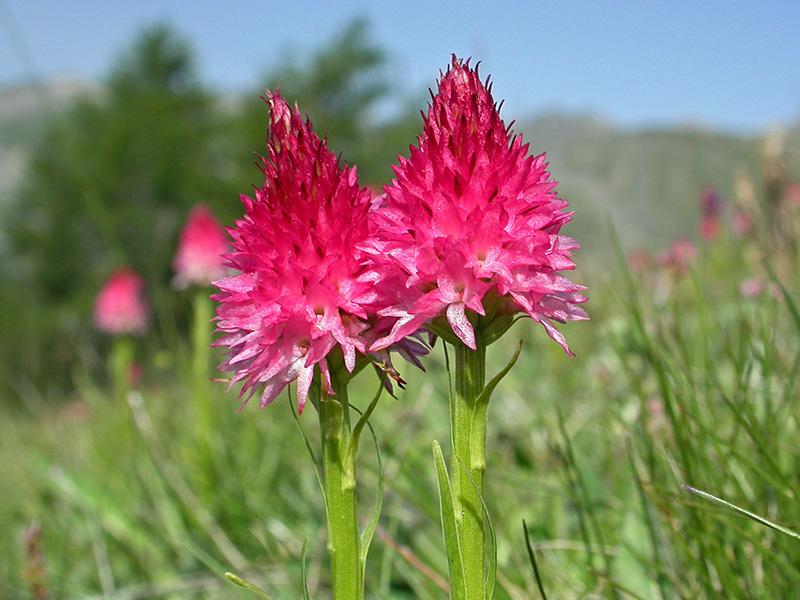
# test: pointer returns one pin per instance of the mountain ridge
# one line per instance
(647, 179)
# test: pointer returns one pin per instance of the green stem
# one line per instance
(201, 337)
(468, 437)
(340, 495)
(121, 360)
(201, 359)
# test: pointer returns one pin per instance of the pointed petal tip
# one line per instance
(460, 324)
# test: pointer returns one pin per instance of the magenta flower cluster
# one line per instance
(302, 286)
(202, 244)
(330, 276)
(120, 307)
(472, 222)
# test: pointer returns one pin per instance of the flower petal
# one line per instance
(460, 323)
(303, 385)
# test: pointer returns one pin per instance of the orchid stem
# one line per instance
(201, 359)
(340, 496)
(121, 360)
(468, 443)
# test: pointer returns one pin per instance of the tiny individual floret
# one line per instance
(120, 306)
(202, 244)
(472, 223)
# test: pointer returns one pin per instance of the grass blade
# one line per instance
(316, 462)
(534, 564)
(249, 586)
(303, 573)
(742, 511)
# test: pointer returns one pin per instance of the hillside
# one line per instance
(646, 179)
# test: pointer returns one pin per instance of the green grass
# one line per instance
(678, 381)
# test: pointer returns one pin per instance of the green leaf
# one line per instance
(491, 572)
(793, 310)
(96, 502)
(303, 574)
(477, 446)
(449, 528)
(372, 524)
(249, 586)
(743, 512)
(307, 442)
(352, 446)
(532, 558)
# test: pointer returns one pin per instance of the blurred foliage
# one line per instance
(111, 180)
(342, 86)
(681, 378)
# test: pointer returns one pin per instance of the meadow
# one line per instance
(682, 396)
(679, 380)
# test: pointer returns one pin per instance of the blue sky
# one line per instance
(725, 64)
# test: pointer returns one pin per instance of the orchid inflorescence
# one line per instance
(329, 276)
(468, 231)
(324, 276)
(199, 259)
(120, 307)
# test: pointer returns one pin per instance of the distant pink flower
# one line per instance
(120, 306)
(741, 223)
(639, 260)
(710, 212)
(792, 195)
(709, 228)
(199, 258)
(752, 287)
(134, 374)
(680, 256)
(472, 222)
(303, 291)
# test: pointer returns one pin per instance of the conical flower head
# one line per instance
(199, 259)
(302, 290)
(120, 307)
(472, 221)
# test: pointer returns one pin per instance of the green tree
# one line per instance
(111, 179)
(109, 184)
(341, 86)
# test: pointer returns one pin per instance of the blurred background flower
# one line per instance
(202, 243)
(120, 307)
(711, 205)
